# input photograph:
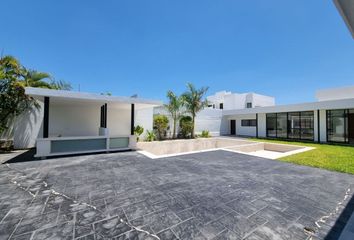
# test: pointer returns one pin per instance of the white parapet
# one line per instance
(55, 146)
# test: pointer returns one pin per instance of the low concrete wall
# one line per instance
(280, 147)
(252, 147)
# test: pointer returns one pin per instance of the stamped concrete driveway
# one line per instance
(210, 195)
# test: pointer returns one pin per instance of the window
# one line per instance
(249, 105)
(292, 125)
(337, 122)
(271, 124)
(248, 122)
(221, 106)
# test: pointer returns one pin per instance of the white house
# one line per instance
(330, 119)
(70, 122)
(228, 100)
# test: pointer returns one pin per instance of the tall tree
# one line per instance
(174, 108)
(193, 102)
(13, 100)
(13, 80)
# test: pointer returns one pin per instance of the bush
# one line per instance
(160, 125)
(150, 136)
(205, 134)
(186, 126)
(138, 130)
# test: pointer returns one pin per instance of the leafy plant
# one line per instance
(13, 79)
(205, 134)
(174, 108)
(13, 100)
(138, 130)
(150, 136)
(186, 126)
(160, 124)
(193, 102)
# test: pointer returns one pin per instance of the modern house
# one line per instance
(329, 119)
(68, 122)
(228, 100)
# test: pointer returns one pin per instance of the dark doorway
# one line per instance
(233, 127)
(351, 128)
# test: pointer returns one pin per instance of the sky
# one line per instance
(286, 49)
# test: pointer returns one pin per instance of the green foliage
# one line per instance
(205, 134)
(150, 136)
(160, 125)
(193, 101)
(138, 130)
(13, 100)
(174, 108)
(13, 79)
(327, 156)
(186, 126)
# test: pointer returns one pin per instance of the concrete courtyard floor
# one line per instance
(211, 195)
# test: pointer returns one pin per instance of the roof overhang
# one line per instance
(346, 10)
(66, 97)
(310, 106)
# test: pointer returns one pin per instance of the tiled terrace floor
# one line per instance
(211, 195)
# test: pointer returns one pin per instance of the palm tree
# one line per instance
(36, 79)
(193, 101)
(174, 108)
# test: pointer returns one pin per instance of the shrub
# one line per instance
(150, 136)
(138, 130)
(186, 126)
(160, 125)
(205, 134)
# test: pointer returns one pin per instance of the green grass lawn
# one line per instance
(331, 157)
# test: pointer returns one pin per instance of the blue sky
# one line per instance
(286, 49)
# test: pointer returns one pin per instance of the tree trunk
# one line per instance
(192, 134)
(174, 128)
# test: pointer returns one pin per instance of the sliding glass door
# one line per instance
(337, 125)
(291, 125)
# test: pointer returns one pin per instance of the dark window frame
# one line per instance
(248, 122)
(288, 128)
(328, 129)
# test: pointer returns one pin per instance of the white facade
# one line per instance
(207, 119)
(75, 119)
(227, 100)
(335, 93)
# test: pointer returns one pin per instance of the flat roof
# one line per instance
(309, 106)
(89, 97)
(346, 10)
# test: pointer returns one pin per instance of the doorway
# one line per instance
(351, 126)
(233, 127)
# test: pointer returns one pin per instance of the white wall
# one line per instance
(118, 121)
(245, 131)
(209, 119)
(144, 118)
(262, 100)
(74, 120)
(323, 126)
(28, 127)
(335, 93)
(262, 125)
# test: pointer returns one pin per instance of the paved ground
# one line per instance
(211, 195)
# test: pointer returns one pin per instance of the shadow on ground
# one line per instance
(23, 157)
(341, 222)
